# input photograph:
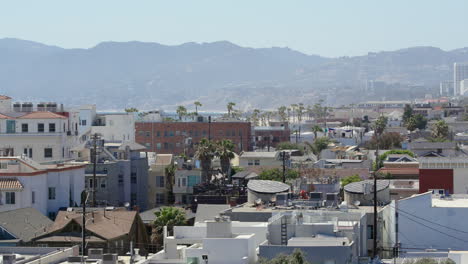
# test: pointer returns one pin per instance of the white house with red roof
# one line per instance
(26, 183)
(46, 136)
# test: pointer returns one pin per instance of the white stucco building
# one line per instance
(26, 183)
(46, 135)
(115, 126)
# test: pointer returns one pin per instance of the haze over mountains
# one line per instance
(150, 76)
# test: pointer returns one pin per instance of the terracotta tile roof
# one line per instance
(4, 97)
(42, 115)
(113, 225)
(10, 184)
(2, 116)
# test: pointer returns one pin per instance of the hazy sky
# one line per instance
(324, 27)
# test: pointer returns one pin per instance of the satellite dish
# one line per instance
(127, 204)
(258, 201)
(357, 203)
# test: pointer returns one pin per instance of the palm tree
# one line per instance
(316, 129)
(197, 104)
(255, 116)
(225, 152)
(170, 181)
(282, 113)
(230, 107)
(300, 112)
(181, 111)
(294, 111)
(380, 125)
(205, 153)
(167, 216)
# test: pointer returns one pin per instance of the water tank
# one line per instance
(42, 107)
(282, 199)
(51, 107)
(27, 107)
(17, 107)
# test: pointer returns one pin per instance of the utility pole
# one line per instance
(284, 166)
(84, 199)
(377, 162)
(95, 137)
(209, 128)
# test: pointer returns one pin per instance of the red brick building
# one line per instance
(174, 137)
(434, 179)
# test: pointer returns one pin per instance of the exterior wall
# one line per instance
(460, 180)
(268, 162)
(435, 179)
(271, 137)
(117, 127)
(153, 189)
(87, 114)
(168, 137)
(182, 187)
(412, 230)
(60, 141)
(139, 166)
(383, 196)
(328, 254)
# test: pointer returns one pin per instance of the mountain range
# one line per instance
(115, 75)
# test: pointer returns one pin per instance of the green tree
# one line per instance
(297, 257)
(416, 121)
(170, 171)
(225, 152)
(407, 113)
(316, 129)
(282, 113)
(197, 105)
(167, 216)
(205, 152)
(277, 174)
(319, 144)
(350, 179)
(380, 125)
(230, 107)
(387, 140)
(440, 130)
(181, 111)
(131, 110)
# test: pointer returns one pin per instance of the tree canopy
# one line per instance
(440, 131)
(297, 257)
(277, 174)
(350, 179)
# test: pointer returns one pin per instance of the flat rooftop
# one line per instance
(454, 201)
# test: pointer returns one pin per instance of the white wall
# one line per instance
(118, 127)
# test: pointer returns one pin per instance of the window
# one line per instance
(3, 165)
(158, 145)
(160, 198)
(10, 197)
(184, 182)
(33, 197)
(40, 128)
(148, 145)
(165, 133)
(193, 180)
(177, 145)
(48, 153)
(51, 193)
(159, 181)
(257, 162)
(120, 180)
(166, 146)
(171, 133)
(91, 181)
(51, 127)
(250, 162)
(28, 152)
(148, 134)
(24, 128)
(133, 197)
(103, 183)
(83, 122)
(158, 134)
(370, 232)
(133, 177)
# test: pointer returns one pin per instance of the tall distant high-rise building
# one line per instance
(460, 72)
